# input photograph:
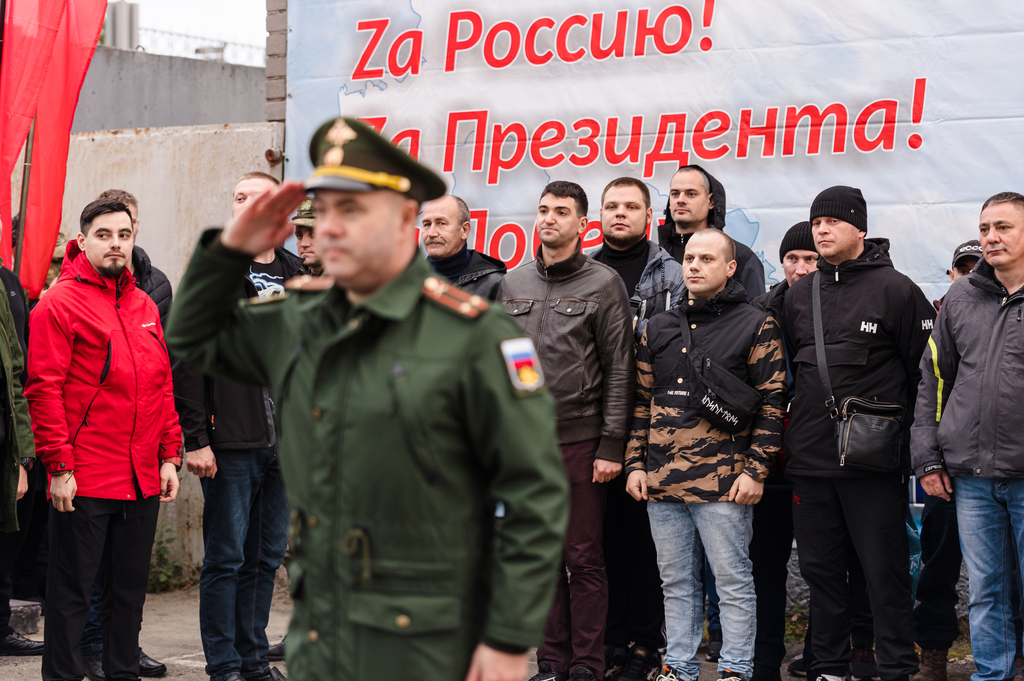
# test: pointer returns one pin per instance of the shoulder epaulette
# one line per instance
(453, 298)
(307, 282)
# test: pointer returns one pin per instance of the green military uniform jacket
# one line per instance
(399, 430)
(17, 425)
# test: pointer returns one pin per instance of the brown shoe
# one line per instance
(933, 665)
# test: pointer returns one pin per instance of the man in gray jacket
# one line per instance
(966, 436)
(578, 313)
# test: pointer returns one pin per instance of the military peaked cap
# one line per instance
(351, 156)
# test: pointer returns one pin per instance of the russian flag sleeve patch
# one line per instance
(523, 365)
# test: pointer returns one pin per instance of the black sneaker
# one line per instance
(714, 645)
(766, 673)
(797, 667)
(582, 673)
(546, 673)
(615, 658)
(641, 665)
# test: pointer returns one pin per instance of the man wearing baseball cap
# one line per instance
(408, 408)
(875, 325)
(965, 257)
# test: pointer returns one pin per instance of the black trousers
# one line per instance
(10, 548)
(770, 548)
(935, 621)
(636, 609)
(119, 536)
(829, 515)
(862, 626)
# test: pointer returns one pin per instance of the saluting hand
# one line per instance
(62, 491)
(263, 223)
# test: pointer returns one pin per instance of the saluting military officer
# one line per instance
(407, 409)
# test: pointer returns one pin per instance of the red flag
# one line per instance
(72, 54)
(30, 29)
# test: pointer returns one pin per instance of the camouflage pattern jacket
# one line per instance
(686, 459)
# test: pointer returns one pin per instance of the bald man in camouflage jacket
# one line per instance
(703, 481)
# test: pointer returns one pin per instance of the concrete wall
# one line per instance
(125, 89)
(183, 178)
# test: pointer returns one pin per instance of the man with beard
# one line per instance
(102, 405)
(697, 200)
(445, 234)
(636, 613)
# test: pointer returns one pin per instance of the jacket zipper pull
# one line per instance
(842, 460)
(837, 274)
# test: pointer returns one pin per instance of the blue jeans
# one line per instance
(245, 532)
(714, 610)
(683, 533)
(990, 513)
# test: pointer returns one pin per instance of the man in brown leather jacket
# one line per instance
(578, 313)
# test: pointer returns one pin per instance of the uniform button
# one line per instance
(684, 351)
(977, 471)
(568, 309)
(317, 414)
(693, 326)
(313, 636)
(312, 522)
(353, 324)
(690, 303)
(403, 621)
(679, 380)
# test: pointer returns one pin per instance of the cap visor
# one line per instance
(302, 222)
(341, 184)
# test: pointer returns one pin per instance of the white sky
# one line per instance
(238, 21)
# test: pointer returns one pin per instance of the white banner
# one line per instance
(920, 103)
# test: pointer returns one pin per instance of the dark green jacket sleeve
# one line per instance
(516, 441)
(214, 332)
(23, 445)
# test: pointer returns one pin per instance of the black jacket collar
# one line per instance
(876, 254)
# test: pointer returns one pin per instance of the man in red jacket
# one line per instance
(99, 393)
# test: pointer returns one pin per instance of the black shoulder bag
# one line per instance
(869, 435)
(725, 401)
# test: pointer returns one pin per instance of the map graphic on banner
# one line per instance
(918, 103)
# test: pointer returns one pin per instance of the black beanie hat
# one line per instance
(798, 238)
(843, 203)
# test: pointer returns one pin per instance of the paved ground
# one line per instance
(170, 633)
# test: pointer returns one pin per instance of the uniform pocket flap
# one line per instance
(404, 613)
(570, 306)
(516, 307)
(838, 354)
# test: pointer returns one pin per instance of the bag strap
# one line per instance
(819, 348)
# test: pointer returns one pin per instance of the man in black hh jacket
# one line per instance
(876, 323)
(230, 443)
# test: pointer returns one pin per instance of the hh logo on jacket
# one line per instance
(868, 327)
